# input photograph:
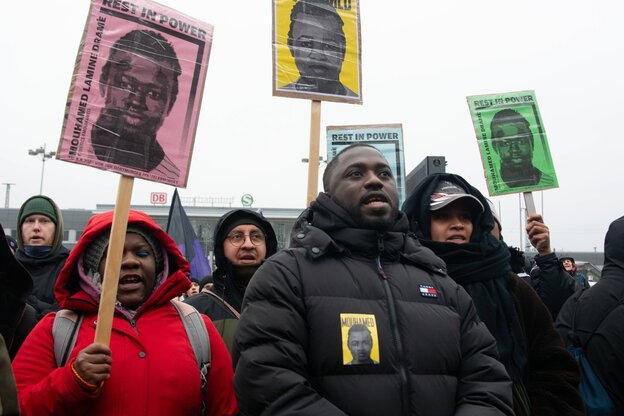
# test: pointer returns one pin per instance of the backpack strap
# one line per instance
(227, 305)
(64, 333)
(198, 337)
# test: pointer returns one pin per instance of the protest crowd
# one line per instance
(373, 307)
(439, 319)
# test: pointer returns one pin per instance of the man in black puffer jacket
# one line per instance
(353, 262)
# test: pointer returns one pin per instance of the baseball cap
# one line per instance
(448, 192)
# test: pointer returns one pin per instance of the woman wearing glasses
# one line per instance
(243, 239)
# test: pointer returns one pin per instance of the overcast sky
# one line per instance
(420, 61)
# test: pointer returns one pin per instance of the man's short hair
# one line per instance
(509, 116)
(331, 166)
(320, 8)
(151, 45)
(359, 328)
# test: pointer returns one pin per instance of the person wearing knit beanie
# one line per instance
(40, 249)
(97, 249)
(38, 205)
(135, 286)
(147, 351)
(37, 221)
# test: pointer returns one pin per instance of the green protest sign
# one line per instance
(512, 141)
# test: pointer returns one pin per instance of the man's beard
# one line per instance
(115, 142)
(380, 223)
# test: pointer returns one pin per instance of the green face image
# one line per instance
(514, 144)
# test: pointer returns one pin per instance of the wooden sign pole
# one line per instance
(113, 261)
(529, 203)
(313, 158)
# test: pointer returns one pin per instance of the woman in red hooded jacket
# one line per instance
(150, 367)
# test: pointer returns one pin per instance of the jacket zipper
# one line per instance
(395, 332)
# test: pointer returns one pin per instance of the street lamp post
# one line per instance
(7, 194)
(41, 152)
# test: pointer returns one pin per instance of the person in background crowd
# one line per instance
(544, 273)
(150, 367)
(40, 249)
(17, 318)
(243, 240)
(569, 265)
(352, 261)
(12, 243)
(194, 289)
(206, 283)
(453, 219)
(593, 318)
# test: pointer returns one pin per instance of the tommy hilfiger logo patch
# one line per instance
(428, 291)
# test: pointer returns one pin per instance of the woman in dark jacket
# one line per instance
(17, 318)
(453, 219)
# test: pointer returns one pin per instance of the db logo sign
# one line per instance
(158, 197)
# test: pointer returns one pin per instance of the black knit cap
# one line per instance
(94, 253)
(240, 221)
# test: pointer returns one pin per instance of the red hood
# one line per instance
(67, 290)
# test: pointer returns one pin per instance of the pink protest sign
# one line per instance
(136, 92)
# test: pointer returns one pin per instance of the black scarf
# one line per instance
(481, 267)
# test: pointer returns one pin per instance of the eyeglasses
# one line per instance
(237, 239)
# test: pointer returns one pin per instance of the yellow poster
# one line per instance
(317, 50)
(360, 342)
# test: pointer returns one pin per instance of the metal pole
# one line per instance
(44, 156)
(7, 194)
(43, 159)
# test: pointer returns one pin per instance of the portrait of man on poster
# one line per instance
(513, 142)
(360, 344)
(317, 42)
(139, 83)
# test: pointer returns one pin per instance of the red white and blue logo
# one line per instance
(427, 291)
